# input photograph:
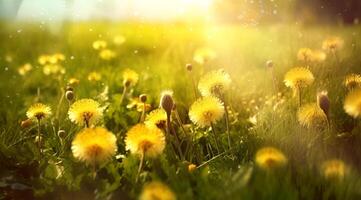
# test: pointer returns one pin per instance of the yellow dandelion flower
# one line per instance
(352, 81)
(334, 169)
(136, 103)
(119, 40)
(157, 191)
(94, 76)
(206, 111)
(55, 58)
(38, 111)
(352, 103)
(332, 44)
(107, 54)
(73, 81)
(312, 116)
(145, 141)
(304, 54)
(85, 112)
(298, 77)
(318, 56)
(130, 77)
(94, 145)
(270, 157)
(23, 70)
(52, 59)
(157, 118)
(99, 44)
(192, 167)
(214, 83)
(44, 59)
(53, 69)
(203, 55)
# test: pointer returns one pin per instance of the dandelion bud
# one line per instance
(189, 67)
(61, 134)
(143, 98)
(166, 102)
(191, 167)
(69, 95)
(323, 102)
(269, 63)
(126, 83)
(26, 123)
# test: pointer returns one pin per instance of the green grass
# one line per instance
(159, 52)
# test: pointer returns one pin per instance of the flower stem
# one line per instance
(336, 56)
(215, 137)
(170, 130)
(123, 94)
(193, 85)
(86, 123)
(227, 123)
(213, 158)
(142, 117)
(180, 122)
(39, 141)
(59, 105)
(140, 165)
(94, 170)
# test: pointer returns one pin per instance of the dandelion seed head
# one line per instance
(214, 83)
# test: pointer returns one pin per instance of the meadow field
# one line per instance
(149, 111)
